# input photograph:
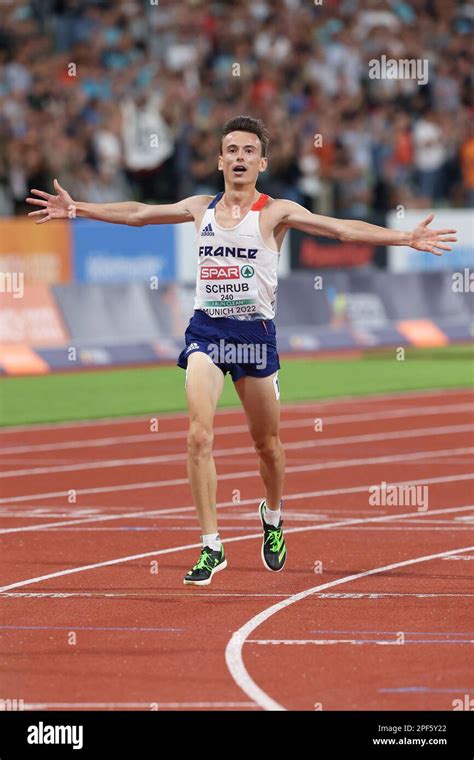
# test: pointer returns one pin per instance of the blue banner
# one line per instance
(105, 253)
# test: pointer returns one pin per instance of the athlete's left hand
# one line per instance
(424, 239)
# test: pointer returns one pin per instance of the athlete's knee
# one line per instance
(200, 438)
(268, 447)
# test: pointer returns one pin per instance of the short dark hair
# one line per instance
(247, 124)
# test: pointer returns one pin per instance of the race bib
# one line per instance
(227, 289)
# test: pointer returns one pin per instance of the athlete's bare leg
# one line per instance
(262, 408)
(204, 383)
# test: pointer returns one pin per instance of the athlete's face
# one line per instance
(241, 159)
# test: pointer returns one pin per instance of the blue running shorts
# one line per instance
(241, 347)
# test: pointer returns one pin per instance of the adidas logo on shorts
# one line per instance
(192, 346)
(208, 230)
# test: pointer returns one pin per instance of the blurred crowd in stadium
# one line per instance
(125, 99)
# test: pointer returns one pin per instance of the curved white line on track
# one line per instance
(233, 653)
(223, 505)
(305, 529)
(231, 452)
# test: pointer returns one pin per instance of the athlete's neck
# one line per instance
(241, 197)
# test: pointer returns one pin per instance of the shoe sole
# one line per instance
(263, 544)
(221, 566)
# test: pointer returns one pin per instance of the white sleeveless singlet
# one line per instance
(237, 273)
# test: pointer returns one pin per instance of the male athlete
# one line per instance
(240, 232)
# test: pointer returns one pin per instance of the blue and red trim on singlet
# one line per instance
(257, 206)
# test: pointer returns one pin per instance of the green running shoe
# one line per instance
(273, 545)
(209, 562)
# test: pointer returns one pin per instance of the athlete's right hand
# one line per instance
(60, 206)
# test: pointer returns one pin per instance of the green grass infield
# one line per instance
(119, 392)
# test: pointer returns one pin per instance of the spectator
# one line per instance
(467, 165)
(90, 83)
(429, 157)
(148, 144)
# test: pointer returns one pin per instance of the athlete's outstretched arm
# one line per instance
(422, 238)
(62, 206)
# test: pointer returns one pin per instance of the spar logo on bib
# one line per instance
(221, 273)
(247, 271)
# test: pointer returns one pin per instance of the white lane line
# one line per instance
(356, 642)
(232, 429)
(442, 393)
(127, 595)
(316, 442)
(172, 550)
(414, 529)
(432, 455)
(149, 706)
(177, 510)
(247, 594)
(233, 653)
(47, 513)
(161, 531)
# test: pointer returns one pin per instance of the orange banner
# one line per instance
(422, 332)
(31, 319)
(42, 252)
(17, 359)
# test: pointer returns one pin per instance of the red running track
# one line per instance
(372, 611)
